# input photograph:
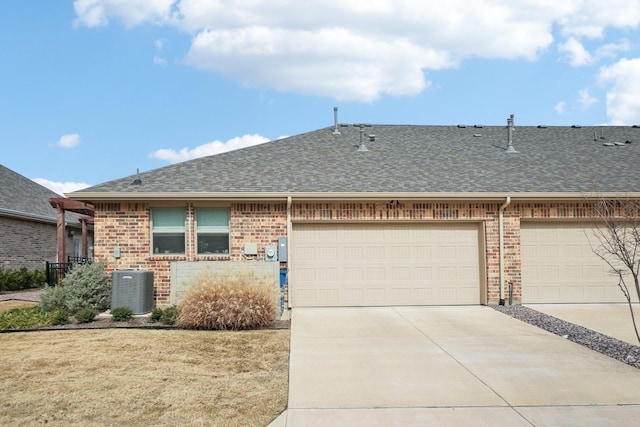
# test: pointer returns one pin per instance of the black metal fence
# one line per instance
(57, 270)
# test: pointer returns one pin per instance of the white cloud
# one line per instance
(61, 187)
(585, 98)
(560, 107)
(211, 148)
(68, 141)
(577, 55)
(612, 50)
(363, 49)
(159, 43)
(159, 61)
(95, 13)
(590, 18)
(575, 52)
(623, 81)
(360, 68)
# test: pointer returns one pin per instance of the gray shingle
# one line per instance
(404, 158)
(22, 196)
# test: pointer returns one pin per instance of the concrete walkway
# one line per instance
(454, 366)
(32, 295)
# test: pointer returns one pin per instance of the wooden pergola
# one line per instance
(62, 205)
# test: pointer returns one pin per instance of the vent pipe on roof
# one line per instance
(362, 134)
(510, 129)
(137, 181)
(335, 121)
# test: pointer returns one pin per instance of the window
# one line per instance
(212, 230)
(168, 230)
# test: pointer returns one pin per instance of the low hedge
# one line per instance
(15, 280)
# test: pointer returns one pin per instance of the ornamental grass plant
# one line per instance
(229, 300)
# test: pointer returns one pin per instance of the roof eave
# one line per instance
(27, 216)
(489, 196)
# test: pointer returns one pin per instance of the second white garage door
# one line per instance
(385, 264)
(559, 266)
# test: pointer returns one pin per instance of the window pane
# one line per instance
(168, 230)
(209, 243)
(168, 218)
(212, 218)
(168, 243)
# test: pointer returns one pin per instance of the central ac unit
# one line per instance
(132, 289)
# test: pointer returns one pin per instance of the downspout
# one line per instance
(501, 251)
(289, 251)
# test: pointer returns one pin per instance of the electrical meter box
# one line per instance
(270, 253)
(282, 249)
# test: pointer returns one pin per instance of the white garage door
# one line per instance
(385, 264)
(559, 266)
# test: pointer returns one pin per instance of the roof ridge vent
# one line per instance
(510, 129)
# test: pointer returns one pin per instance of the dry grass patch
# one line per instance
(11, 304)
(143, 377)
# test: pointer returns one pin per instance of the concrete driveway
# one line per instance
(416, 366)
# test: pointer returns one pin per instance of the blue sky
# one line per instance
(91, 90)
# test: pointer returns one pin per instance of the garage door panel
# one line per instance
(400, 252)
(353, 253)
(374, 296)
(375, 274)
(327, 274)
(559, 266)
(389, 265)
(375, 252)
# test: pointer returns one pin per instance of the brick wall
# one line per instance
(260, 223)
(127, 225)
(26, 244)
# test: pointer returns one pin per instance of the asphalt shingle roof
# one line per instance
(21, 196)
(405, 158)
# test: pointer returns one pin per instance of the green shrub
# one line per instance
(156, 315)
(229, 300)
(59, 316)
(169, 315)
(39, 278)
(14, 280)
(121, 314)
(23, 318)
(86, 285)
(86, 315)
(53, 298)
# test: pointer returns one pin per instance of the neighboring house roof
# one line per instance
(23, 198)
(425, 161)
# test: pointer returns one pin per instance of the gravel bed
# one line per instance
(609, 346)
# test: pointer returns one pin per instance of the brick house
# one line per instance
(415, 215)
(28, 224)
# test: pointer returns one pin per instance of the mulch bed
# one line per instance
(139, 323)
